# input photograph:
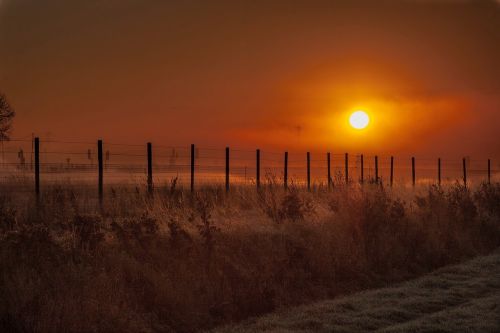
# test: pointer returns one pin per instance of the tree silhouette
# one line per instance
(7, 114)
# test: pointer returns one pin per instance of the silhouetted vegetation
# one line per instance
(183, 262)
(7, 114)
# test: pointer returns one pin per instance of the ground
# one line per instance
(460, 298)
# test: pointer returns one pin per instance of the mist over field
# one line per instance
(257, 75)
(249, 166)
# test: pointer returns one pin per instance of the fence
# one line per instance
(32, 164)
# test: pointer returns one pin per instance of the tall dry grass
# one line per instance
(181, 262)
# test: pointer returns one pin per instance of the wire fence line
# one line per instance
(82, 163)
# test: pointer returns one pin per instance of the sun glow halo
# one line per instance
(359, 119)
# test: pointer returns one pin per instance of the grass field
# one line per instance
(177, 261)
(460, 298)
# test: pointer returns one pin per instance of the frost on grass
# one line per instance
(183, 262)
(463, 298)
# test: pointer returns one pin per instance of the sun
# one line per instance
(359, 119)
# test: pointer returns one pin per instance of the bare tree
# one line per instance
(7, 114)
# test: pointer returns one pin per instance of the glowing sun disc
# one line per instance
(359, 119)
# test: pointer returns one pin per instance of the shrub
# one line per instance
(8, 214)
(87, 230)
(187, 262)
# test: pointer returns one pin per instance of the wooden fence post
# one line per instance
(464, 168)
(192, 168)
(150, 168)
(489, 171)
(257, 176)
(100, 168)
(392, 171)
(308, 171)
(285, 175)
(329, 171)
(413, 180)
(37, 167)
(439, 171)
(362, 177)
(376, 169)
(346, 168)
(227, 168)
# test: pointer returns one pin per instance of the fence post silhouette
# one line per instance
(392, 170)
(192, 167)
(489, 171)
(285, 174)
(439, 171)
(37, 167)
(376, 169)
(329, 171)
(362, 177)
(227, 168)
(257, 176)
(464, 168)
(413, 180)
(346, 168)
(150, 168)
(308, 171)
(100, 168)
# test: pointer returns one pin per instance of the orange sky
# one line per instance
(256, 74)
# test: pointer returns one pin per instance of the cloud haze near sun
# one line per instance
(265, 73)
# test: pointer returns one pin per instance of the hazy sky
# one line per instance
(256, 73)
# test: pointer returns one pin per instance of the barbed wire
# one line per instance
(122, 161)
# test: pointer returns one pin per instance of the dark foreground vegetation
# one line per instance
(456, 298)
(182, 262)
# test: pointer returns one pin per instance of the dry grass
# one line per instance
(182, 262)
(461, 298)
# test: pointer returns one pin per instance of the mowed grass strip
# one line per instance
(460, 298)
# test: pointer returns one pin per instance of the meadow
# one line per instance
(176, 261)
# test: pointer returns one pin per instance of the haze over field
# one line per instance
(188, 165)
(260, 73)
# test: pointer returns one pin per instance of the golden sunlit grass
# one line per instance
(182, 262)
